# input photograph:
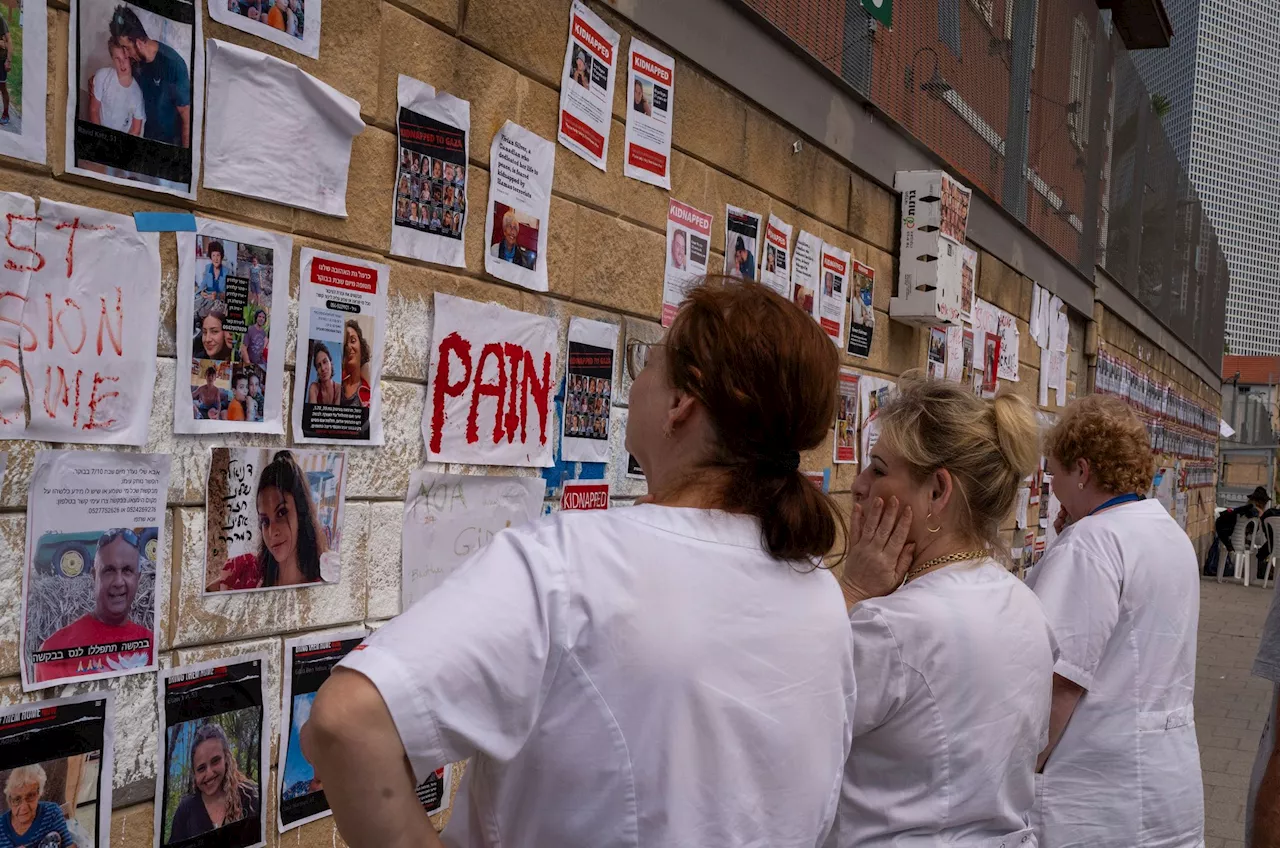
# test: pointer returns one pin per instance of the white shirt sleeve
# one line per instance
(98, 80)
(879, 676)
(467, 667)
(1080, 593)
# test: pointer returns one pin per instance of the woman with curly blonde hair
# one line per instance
(219, 793)
(1121, 588)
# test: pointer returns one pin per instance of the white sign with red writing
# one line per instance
(652, 81)
(806, 267)
(833, 291)
(688, 248)
(585, 496)
(586, 85)
(337, 395)
(493, 377)
(83, 287)
(775, 269)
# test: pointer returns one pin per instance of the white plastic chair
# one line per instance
(1272, 528)
(1244, 542)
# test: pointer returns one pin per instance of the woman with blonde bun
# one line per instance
(953, 656)
(1121, 587)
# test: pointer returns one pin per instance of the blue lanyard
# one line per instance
(1116, 501)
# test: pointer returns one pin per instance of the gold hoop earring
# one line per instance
(926, 523)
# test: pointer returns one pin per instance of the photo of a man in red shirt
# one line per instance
(116, 569)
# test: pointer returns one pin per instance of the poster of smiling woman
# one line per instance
(274, 518)
(95, 542)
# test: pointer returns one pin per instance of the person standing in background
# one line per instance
(678, 673)
(1122, 591)
(953, 670)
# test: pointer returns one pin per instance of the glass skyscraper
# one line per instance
(1221, 80)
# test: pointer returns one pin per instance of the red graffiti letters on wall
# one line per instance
(499, 372)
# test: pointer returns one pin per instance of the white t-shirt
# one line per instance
(119, 105)
(1122, 592)
(638, 677)
(954, 677)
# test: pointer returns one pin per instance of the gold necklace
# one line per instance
(961, 556)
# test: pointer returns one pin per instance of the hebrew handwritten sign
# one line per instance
(448, 517)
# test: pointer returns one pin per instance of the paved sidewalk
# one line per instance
(1231, 704)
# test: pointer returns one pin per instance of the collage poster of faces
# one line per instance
(290, 23)
(135, 93)
(213, 755)
(95, 539)
(274, 518)
(234, 382)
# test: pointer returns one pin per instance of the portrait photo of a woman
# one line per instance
(218, 792)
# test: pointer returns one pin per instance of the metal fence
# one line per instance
(1037, 105)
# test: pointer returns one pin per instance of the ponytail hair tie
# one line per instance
(781, 463)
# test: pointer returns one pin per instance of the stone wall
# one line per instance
(504, 56)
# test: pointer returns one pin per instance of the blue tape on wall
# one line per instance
(164, 222)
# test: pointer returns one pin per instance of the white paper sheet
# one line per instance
(230, 695)
(1058, 327)
(651, 82)
(955, 353)
(688, 251)
(246, 549)
(493, 377)
(75, 738)
(1058, 361)
(873, 392)
(143, 141)
(775, 269)
(1009, 345)
(23, 136)
(515, 226)
(936, 358)
(302, 128)
(229, 317)
(18, 255)
(806, 267)
(586, 85)
(448, 517)
(97, 294)
(342, 304)
(308, 660)
(741, 242)
(75, 497)
(298, 21)
(1020, 504)
(1046, 376)
(833, 292)
(588, 390)
(429, 212)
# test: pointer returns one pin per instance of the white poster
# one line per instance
(688, 250)
(741, 240)
(290, 23)
(308, 660)
(18, 256)
(429, 214)
(1009, 345)
(59, 755)
(652, 83)
(448, 517)
(273, 518)
(213, 715)
(834, 292)
(1046, 376)
(493, 377)
(955, 353)
(342, 325)
(1020, 503)
(95, 295)
(23, 66)
(806, 266)
(233, 285)
(588, 390)
(515, 226)
(302, 131)
(95, 545)
(873, 393)
(586, 85)
(775, 271)
(135, 89)
(968, 282)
